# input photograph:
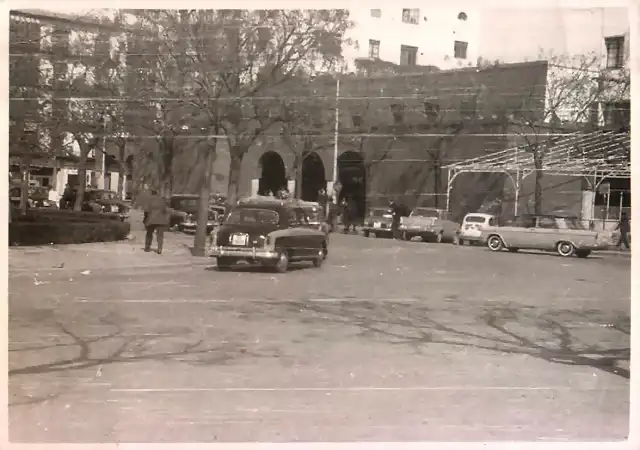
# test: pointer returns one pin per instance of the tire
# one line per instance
(513, 249)
(282, 265)
(318, 260)
(583, 253)
(439, 238)
(494, 242)
(365, 233)
(404, 236)
(224, 263)
(565, 249)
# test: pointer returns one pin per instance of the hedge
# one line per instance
(63, 215)
(66, 232)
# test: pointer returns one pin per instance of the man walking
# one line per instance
(157, 217)
(625, 228)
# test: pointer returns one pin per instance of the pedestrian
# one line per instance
(67, 196)
(624, 227)
(396, 213)
(157, 217)
(323, 198)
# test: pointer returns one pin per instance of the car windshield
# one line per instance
(253, 216)
(425, 212)
(378, 213)
(475, 219)
(569, 223)
(187, 203)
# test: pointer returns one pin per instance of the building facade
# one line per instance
(441, 37)
(55, 60)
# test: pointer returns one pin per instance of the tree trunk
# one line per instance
(200, 239)
(24, 187)
(537, 192)
(235, 166)
(82, 176)
(297, 164)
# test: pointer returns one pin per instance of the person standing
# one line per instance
(625, 228)
(157, 217)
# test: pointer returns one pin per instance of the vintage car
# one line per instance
(189, 203)
(103, 201)
(38, 197)
(472, 226)
(564, 235)
(315, 215)
(378, 223)
(430, 224)
(269, 232)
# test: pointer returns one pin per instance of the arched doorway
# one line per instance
(313, 177)
(273, 176)
(352, 175)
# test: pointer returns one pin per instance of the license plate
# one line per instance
(377, 225)
(239, 239)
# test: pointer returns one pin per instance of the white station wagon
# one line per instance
(564, 235)
(472, 226)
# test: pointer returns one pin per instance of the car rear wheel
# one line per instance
(583, 253)
(365, 233)
(495, 243)
(282, 264)
(439, 238)
(565, 249)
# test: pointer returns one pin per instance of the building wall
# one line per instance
(433, 35)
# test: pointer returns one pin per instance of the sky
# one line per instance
(514, 35)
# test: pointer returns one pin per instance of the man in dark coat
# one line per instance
(625, 228)
(157, 217)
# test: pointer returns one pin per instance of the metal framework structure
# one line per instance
(595, 156)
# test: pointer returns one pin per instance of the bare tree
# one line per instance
(575, 86)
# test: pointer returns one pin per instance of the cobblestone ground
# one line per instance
(389, 341)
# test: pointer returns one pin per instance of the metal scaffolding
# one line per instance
(595, 156)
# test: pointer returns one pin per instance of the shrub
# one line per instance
(66, 232)
(63, 215)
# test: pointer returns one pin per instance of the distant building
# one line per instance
(47, 62)
(443, 37)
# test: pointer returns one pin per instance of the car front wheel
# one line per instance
(495, 243)
(224, 262)
(565, 249)
(282, 264)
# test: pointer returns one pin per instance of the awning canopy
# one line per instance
(603, 154)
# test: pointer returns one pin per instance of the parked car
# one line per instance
(189, 204)
(565, 235)
(378, 223)
(430, 224)
(315, 215)
(268, 232)
(104, 201)
(472, 226)
(38, 197)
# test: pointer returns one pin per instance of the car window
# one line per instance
(425, 212)
(547, 223)
(476, 219)
(250, 216)
(523, 222)
(378, 212)
(492, 222)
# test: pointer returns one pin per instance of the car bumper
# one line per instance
(376, 230)
(190, 227)
(256, 254)
(472, 237)
(417, 231)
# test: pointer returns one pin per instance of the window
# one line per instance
(460, 49)
(357, 120)
(548, 223)
(297, 218)
(397, 110)
(462, 16)
(376, 13)
(411, 16)
(618, 115)
(408, 55)
(615, 51)
(253, 216)
(374, 49)
(431, 110)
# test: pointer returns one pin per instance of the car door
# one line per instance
(307, 238)
(546, 233)
(519, 233)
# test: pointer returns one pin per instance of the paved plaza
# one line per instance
(389, 341)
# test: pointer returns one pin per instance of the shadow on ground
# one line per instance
(556, 336)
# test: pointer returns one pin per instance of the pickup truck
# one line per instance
(430, 224)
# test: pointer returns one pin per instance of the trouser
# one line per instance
(623, 240)
(159, 229)
(395, 229)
